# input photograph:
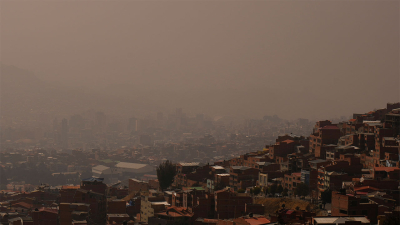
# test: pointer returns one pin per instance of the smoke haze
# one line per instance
(295, 59)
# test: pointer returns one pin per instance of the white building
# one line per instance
(126, 167)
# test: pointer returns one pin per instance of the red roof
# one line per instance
(352, 120)
(49, 210)
(288, 141)
(289, 211)
(23, 205)
(211, 220)
(364, 187)
(223, 190)
(257, 220)
(387, 169)
(70, 187)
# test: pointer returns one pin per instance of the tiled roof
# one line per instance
(23, 205)
(288, 141)
(49, 210)
(289, 211)
(223, 190)
(257, 220)
(365, 187)
(387, 169)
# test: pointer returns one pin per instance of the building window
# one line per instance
(343, 211)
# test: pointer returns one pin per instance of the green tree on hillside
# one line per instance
(302, 189)
(285, 192)
(279, 189)
(273, 188)
(165, 173)
(326, 196)
(256, 190)
(241, 191)
(266, 190)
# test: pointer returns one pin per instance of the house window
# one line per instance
(343, 211)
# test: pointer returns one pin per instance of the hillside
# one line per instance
(274, 204)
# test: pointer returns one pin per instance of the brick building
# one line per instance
(69, 212)
(138, 186)
(94, 184)
(45, 216)
(176, 215)
(116, 206)
(229, 204)
(181, 170)
(290, 181)
(242, 177)
(328, 134)
(350, 205)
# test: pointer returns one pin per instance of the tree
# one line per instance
(266, 190)
(256, 190)
(391, 220)
(326, 196)
(165, 173)
(272, 189)
(302, 189)
(285, 192)
(241, 190)
(279, 189)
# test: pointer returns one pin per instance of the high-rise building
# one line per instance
(179, 112)
(100, 121)
(64, 133)
(132, 124)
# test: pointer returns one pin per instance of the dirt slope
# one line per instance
(273, 204)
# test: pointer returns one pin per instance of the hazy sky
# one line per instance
(311, 59)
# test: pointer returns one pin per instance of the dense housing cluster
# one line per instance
(344, 173)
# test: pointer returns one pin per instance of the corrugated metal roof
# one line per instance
(130, 165)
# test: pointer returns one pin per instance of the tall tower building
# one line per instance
(64, 133)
